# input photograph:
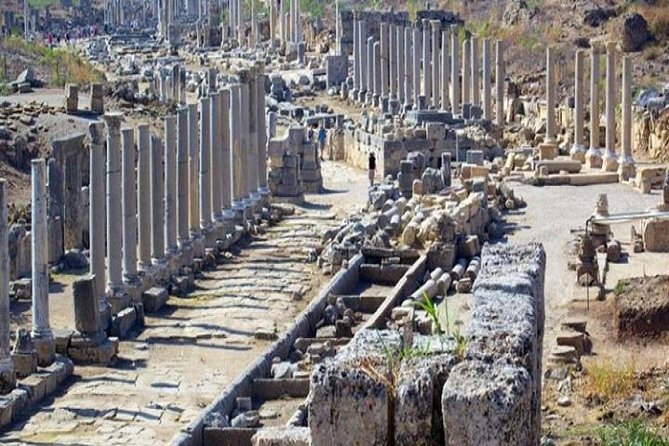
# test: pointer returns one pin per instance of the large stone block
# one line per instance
(655, 234)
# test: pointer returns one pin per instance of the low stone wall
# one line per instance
(342, 283)
(490, 393)
(494, 395)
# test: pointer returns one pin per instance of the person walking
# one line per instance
(322, 136)
(371, 168)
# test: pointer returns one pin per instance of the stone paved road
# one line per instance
(190, 351)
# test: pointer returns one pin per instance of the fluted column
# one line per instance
(157, 202)
(476, 81)
(205, 160)
(129, 206)
(499, 82)
(577, 151)
(593, 157)
(427, 72)
(436, 76)
(445, 70)
(487, 103)
(114, 208)
(236, 130)
(610, 159)
(225, 172)
(45, 344)
(193, 169)
(416, 53)
(216, 154)
(183, 233)
(97, 210)
(144, 196)
(385, 51)
(7, 378)
(466, 75)
(408, 70)
(550, 95)
(171, 245)
(455, 71)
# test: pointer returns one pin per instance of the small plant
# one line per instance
(460, 344)
(619, 289)
(609, 381)
(631, 433)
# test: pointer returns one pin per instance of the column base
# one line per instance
(92, 349)
(626, 168)
(133, 287)
(577, 153)
(593, 158)
(45, 347)
(160, 270)
(186, 253)
(197, 243)
(548, 151)
(383, 104)
(209, 236)
(7, 376)
(394, 106)
(118, 299)
(609, 162)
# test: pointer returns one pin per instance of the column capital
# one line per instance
(113, 121)
(436, 24)
(96, 132)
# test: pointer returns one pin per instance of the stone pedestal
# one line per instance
(71, 98)
(97, 99)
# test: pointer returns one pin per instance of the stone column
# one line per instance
(356, 53)
(385, 51)
(235, 131)
(455, 71)
(436, 75)
(114, 208)
(170, 186)
(377, 71)
(415, 64)
(183, 233)
(476, 82)
(157, 202)
(427, 72)
(392, 61)
(593, 157)
(193, 168)
(129, 207)
(97, 210)
(499, 82)
(445, 70)
(487, 103)
(245, 174)
(626, 168)
(577, 151)
(205, 177)
(337, 29)
(215, 154)
(144, 196)
(370, 69)
(550, 95)
(362, 58)
(408, 70)
(224, 174)
(261, 128)
(7, 378)
(45, 344)
(399, 43)
(466, 75)
(610, 159)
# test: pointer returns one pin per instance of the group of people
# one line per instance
(322, 138)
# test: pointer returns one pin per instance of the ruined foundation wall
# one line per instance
(497, 388)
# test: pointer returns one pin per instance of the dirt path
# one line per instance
(187, 354)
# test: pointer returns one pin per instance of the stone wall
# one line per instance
(490, 394)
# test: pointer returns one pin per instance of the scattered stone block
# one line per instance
(154, 298)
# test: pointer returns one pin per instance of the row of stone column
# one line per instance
(415, 69)
(114, 13)
(210, 167)
(593, 156)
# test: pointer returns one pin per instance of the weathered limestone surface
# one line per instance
(497, 389)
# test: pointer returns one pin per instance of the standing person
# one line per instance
(322, 135)
(371, 166)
